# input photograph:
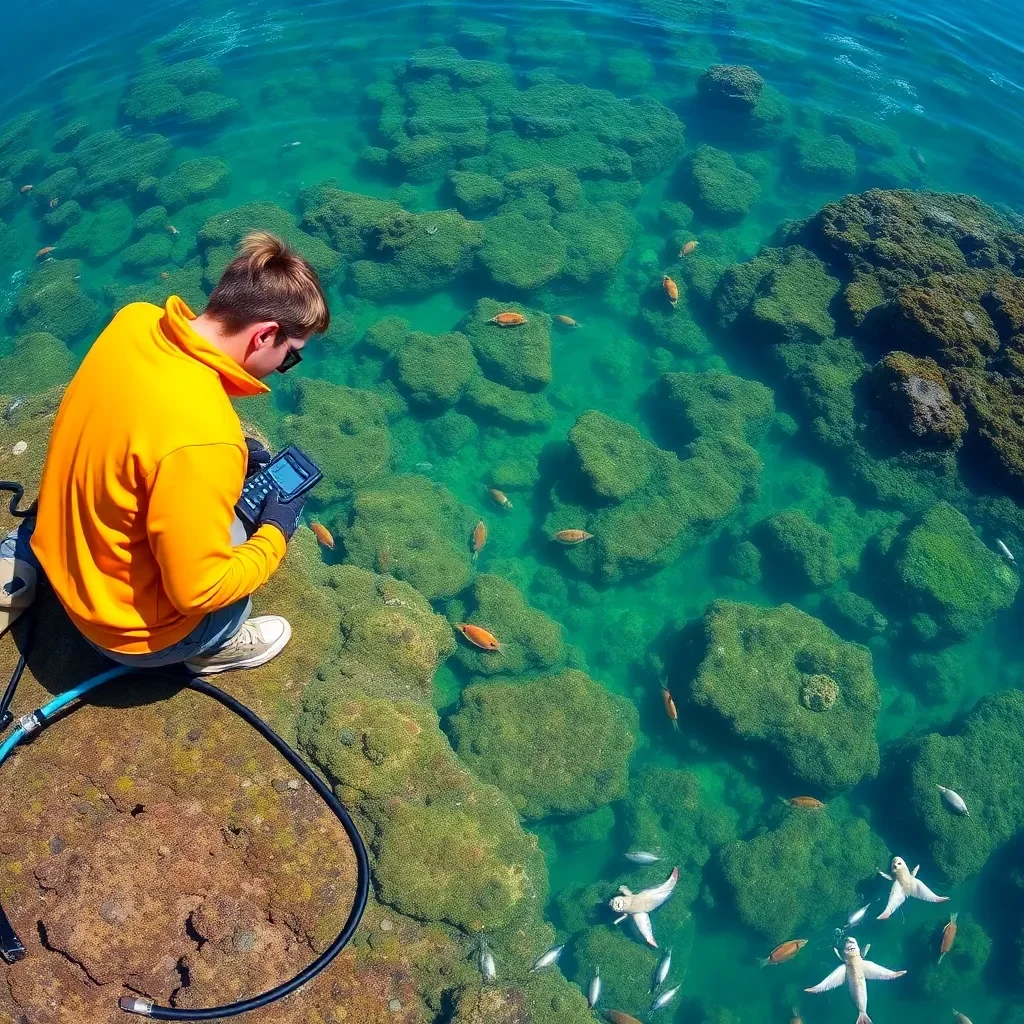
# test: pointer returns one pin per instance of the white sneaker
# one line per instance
(258, 641)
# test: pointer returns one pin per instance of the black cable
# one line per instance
(5, 701)
(145, 1007)
(17, 493)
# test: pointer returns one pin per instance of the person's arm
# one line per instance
(192, 495)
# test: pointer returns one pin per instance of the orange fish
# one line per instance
(173, 230)
(45, 251)
(479, 538)
(499, 498)
(808, 802)
(53, 203)
(508, 319)
(322, 534)
(565, 321)
(670, 707)
(479, 637)
(671, 289)
(688, 248)
(572, 536)
(948, 937)
(780, 954)
(617, 1017)
(26, 188)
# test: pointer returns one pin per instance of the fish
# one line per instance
(642, 857)
(796, 1018)
(671, 290)
(485, 961)
(164, 276)
(646, 900)
(508, 318)
(948, 936)
(906, 883)
(670, 707)
(53, 203)
(288, 145)
(432, 230)
(173, 230)
(857, 916)
(918, 157)
(810, 803)
(642, 923)
(423, 467)
(960, 1018)
(663, 968)
(25, 189)
(565, 321)
(1004, 550)
(499, 498)
(572, 536)
(594, 992)
(688, 248)
(616, 1017)
(547, 958)
(45, 251)
(856, 972)
(786, 951)
(664, 999)
(479, 637)
(479, 538)
(322, 534)
(954, 800)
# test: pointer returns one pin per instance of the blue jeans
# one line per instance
(212, 633)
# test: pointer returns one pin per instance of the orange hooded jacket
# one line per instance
(146, 461)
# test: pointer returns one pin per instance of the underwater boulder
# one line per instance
(518, 357)
(735, 88)
(559, 744)
(34, 363)
(51, 301)
(914, 399)
(434, 369)
(716, 187)
(750, 669)
(192, 181)
(796, 551)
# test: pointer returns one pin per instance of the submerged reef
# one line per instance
(764, 673)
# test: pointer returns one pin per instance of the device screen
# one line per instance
(286, 476)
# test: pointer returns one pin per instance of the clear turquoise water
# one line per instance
(952, 86)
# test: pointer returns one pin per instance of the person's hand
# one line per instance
(259, 457)
(283, 514)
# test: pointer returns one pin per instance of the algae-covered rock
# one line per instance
(751, 668)
(802, 870)
(115, 162)
(823, 158)
(99, 233)
(518, 357)
(343, 429)
(914, 398)
(414, 530)
(939, 566)
(732, 87)
(51, 301)
(797, 549)
(435, 368)
(556, 745)
(717, 187)
(192, 181)
(956, 971)
(613, 456)
(520, 253)
(36, 362)
(981, 760)
(487, 402)
(531, 642)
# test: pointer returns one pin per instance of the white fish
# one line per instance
(856, 972)
(644, 901)
(547, 958)
(488, 969)
(955, 800)
(961, 1018)
(663, 968)
(594, 992)
(664, 999)
(642, 923)
(857, 916)
(288, 145)
(1005, 551)
(906, 883)
(642, 857)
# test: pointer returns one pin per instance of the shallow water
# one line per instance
(953, 83)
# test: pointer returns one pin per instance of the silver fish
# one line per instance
(1005, 551)
(642, 857)
(547, 958)
(954, 800)
(488, 968)
(857, 916)
(288, 145)
(663, 968)
(906, 883)
(594, 992)
(664, 999)
(961, 1018)
(642, 922)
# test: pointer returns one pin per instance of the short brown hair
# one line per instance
(267, 280)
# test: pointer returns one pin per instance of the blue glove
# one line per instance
(259, 457)
(283, 514)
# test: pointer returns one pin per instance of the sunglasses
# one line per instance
(293, 358)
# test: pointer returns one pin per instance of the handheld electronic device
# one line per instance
(291, 471)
